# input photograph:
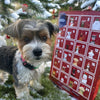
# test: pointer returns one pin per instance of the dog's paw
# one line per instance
(29, 98)
(38, 87)
(1, 82)
(3, 77)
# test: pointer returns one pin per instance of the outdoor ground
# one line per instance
(50, 91)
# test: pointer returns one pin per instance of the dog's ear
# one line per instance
(12, 30)
(53, 29)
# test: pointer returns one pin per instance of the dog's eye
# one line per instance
(26, 39)
(44, 38)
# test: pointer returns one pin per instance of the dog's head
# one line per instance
(34, 39)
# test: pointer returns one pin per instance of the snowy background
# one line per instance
(11, 10)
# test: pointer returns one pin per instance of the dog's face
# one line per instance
(34, 39)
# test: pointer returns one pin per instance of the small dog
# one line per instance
(33, 47)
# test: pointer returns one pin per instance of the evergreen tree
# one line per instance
(35, 8)
(82, 4)
(5, 11)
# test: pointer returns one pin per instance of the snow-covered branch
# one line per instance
(86, 3)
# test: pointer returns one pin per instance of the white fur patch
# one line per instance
(24, 74)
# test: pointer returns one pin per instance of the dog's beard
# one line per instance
(29, 56)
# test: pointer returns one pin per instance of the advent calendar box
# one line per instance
(76, 58)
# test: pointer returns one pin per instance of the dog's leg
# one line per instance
(36, 85)
(22, 92)
(3, 77)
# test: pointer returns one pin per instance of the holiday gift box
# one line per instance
(76, 58)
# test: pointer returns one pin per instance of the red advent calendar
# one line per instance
(76, 58)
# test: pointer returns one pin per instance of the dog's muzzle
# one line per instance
(37, 53)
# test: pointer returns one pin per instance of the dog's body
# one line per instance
(34, 41)
(6, 58)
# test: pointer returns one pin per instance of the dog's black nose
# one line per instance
(37, 52)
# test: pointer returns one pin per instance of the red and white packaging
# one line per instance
(76, 58)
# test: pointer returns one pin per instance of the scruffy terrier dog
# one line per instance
(34, 42)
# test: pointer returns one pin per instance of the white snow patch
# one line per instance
(45, 13)
(7, 2)
(54, 5)
(15, 15)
